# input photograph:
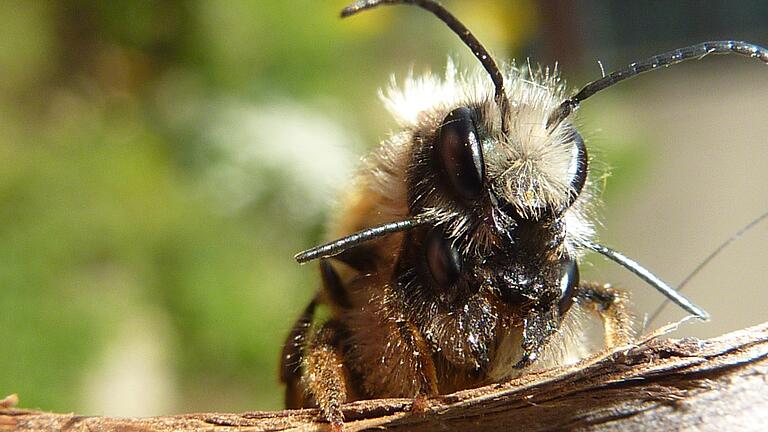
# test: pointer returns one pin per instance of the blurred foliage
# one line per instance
(118, 178)
(165, 160)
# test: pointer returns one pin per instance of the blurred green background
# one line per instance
(161, 162)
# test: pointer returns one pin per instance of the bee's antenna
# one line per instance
(340, 245)
(464, 34)
(693, 52)
(709, 258)
(649, 277)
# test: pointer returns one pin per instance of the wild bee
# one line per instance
(456, 259)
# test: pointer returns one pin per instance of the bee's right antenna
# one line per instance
(649, 277)
(707, 260)
(462, 32)
(693, 52)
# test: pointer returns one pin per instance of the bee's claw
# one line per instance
(420, 404)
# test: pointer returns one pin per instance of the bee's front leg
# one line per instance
(324, 377)
(392, 358)
(611, 305)
(421, 372)
(292, 357)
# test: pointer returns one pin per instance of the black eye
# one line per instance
(579, 166)
(442, 259)
(458, 153)
(569, 279)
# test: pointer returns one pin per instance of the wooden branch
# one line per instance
(719, 384)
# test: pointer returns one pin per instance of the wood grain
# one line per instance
(719, 384)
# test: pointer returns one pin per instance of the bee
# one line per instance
(455, 262)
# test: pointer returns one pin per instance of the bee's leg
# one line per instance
(333, 286)
(611, 305)
(291, 357)
(362, 258)
(423, 376)
(294, 347)
(324, 376)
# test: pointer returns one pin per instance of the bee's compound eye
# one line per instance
(459, 154)
(569, 279)
(442, 259)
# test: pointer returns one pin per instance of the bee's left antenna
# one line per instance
(462, 32)
(340, 245)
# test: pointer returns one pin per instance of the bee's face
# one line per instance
(503, 208)
(500, 203)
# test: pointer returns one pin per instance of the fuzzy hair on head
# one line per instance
(531, 167)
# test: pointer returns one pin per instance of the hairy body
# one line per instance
(456, 259)
(393, 330)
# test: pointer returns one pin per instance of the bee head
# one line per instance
(498, 201)
(484, 181)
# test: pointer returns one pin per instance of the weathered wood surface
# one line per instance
(719, 384)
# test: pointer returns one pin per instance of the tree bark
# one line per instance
(719, 384)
